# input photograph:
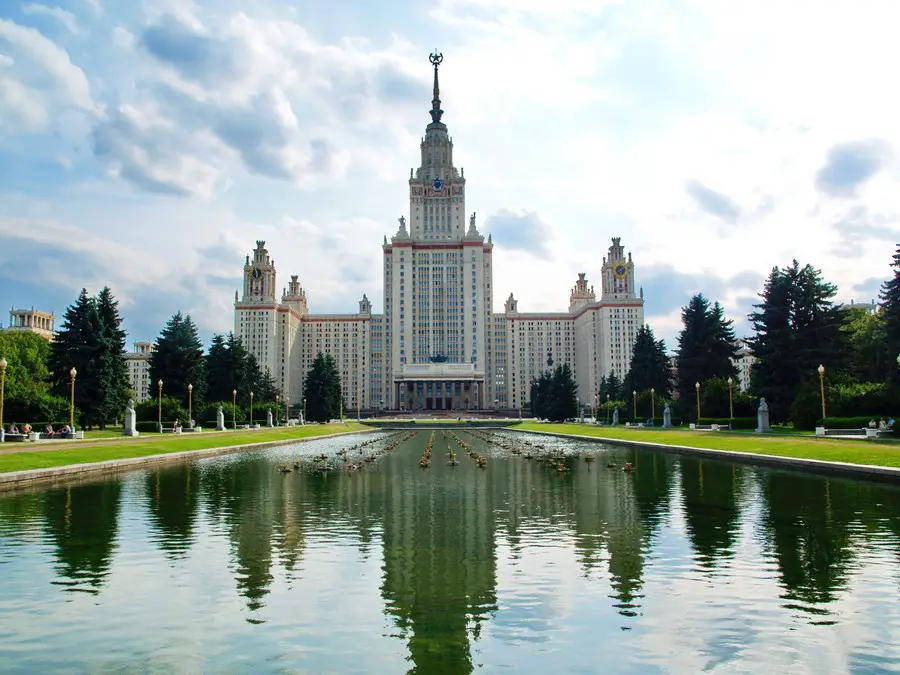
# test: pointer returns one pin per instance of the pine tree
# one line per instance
(322, 389)
(797, 328)
(706, 346)
(79, 344)
(611, 387)
(890, 309)
(114, 370)
(650, 368)
(178, 360)
(219, 370)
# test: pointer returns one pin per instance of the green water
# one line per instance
(227, 565)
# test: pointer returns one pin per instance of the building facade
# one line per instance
(33, 321)
(439, 345)
(138, 365)
(743, 361)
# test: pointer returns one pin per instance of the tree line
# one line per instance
(797, 326)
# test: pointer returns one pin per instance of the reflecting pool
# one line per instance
(243, 563)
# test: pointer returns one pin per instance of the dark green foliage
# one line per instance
(79, 344)
(650, 367)
(706, 346)
(178, 361)
(322, 389)
(714, 400)
(26, 370)
(890, 307)
(229, 368)
(843, 398)
(612, 388)
(172, 409)
(113, 369)
(38, 409)
(797, 328)
(554, 394)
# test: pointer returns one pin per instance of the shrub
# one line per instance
(148, 411)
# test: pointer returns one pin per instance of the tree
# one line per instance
(79, 344)
(706, 346)
(26, 373)
(554, 394)
(650, 367)
(890, 307)
(797, 327)
(178, 360)
(610, 387)
(322, 389)
(113, 372)
(869, 358)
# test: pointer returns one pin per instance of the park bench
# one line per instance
(171, 430)
(706, 427)
(822, 432)
(14, 438)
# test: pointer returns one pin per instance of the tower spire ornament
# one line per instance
(436, 59)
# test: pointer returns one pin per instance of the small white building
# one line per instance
(138, 362)
(744, 363)
(33, 321)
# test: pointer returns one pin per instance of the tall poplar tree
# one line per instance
(178, 360)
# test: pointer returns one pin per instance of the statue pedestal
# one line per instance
(130, 421)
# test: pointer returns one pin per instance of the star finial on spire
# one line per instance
(436, 59)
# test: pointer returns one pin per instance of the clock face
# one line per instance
(256, 273)
(620, 270)
(438, 184)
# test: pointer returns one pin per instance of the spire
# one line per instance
(436, 111)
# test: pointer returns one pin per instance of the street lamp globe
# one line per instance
(730, 382)
(234, 392)
(821, 369)
(190, 387)
(697, 386)
(3, 363)
(159, 384)
(898, 360)
(652, 390)
(73, 373)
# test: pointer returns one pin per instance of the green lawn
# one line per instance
(804, 447)
(145, 446)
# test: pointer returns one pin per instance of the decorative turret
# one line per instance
(436, 111)
(295, 296)
(365, 306)
(512, 305)
(581, 294)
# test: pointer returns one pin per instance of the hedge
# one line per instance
(849, 422)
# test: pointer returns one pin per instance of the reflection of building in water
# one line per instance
(439, 565)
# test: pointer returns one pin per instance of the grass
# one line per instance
(802, 447)
(63, 454)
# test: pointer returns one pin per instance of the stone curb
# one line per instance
(882, 473)
(14, 480)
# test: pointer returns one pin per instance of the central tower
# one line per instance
(437, 281)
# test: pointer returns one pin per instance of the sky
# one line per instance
(147, 144)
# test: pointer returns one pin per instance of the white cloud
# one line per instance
(66, 18)
(44, 80)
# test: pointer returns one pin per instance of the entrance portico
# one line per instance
(439, 386)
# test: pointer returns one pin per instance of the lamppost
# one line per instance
(159, 405)
(73, 373)
(607, 409)
(234, 409)
(3, 365)
(652, 404)
(251, 409)
(821, 370)
(190, 406)
(277, 416)
(697, 387)
(730, 402)
(304, 410)
(287, 408)
(634, 404)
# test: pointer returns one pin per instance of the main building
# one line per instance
(439, 345)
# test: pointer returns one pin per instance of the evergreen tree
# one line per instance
(322, 389)
(219, 370)
(796, 328)
(554, 394)
(869, 358)
(611, 387)
(79, 344)
(114, 370)
(890, 308)
(706, 346)
(178, 360)
(650, 368)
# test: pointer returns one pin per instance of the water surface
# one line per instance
(227, 564)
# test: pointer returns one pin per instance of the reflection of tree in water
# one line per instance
(83, 522)
(808, 520)
(21, 514)
(711, 491)
(652, 486)
(174, 495)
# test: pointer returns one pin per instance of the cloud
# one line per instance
(857, 226)
(848, 166)
(67, 19)
(192, 52)
(523, 231)
(152, 154)
(40, 81)
(714, 203)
